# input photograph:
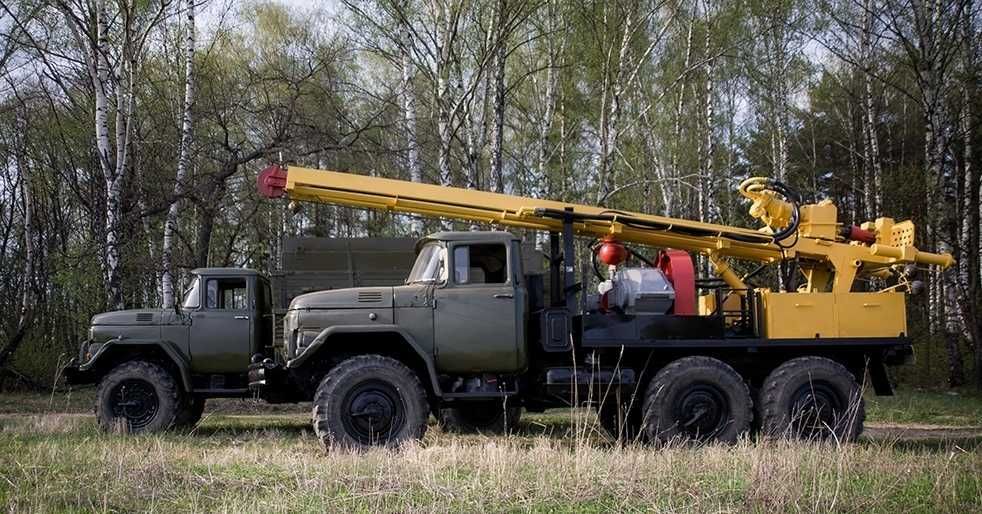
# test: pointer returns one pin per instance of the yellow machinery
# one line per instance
(829, 255)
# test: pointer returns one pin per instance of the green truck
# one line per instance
(155, 368)
(475, 334)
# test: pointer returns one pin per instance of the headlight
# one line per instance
(88, 350)
(306, 337)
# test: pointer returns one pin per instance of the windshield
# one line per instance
(193, 296)
(429, 267)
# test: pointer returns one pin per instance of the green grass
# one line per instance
(241, 460)
(955, 408)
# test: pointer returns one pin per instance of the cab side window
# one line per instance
(227, 294)
(481, 264)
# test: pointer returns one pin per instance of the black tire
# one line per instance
(137, 397)
(621, 420)
(192, 407)
(697, 399)
(369, 400)
(480, 418)
(812, 398)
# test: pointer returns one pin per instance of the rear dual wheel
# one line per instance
(697, 399)
(812, 398)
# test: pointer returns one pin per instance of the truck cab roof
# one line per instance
(226, 272)
(485, 236)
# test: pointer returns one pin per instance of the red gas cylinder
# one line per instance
(612, 252)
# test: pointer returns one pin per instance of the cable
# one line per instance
(634, 253)
(649, 225)
(754, 187)
(795, 200)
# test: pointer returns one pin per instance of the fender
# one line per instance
(168, 347)
(325, 334)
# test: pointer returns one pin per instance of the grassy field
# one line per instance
(922, 453)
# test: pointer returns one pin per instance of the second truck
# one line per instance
(474, 337)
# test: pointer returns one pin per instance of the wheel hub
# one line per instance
(374, 411)
(701, 411)
(135, 401)
(816, 410)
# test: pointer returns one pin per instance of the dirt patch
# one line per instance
(920, 432)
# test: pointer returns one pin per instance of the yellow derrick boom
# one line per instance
(829, 262)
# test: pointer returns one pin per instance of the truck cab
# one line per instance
(461, 314)
(156, 367)
(229, 319)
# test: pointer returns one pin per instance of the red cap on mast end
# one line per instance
(272, 182)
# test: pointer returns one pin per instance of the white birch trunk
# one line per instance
(668, 187)
(610, 123)
(708, 208)
(874, 179)
(443, 100)
(409, 121)
(498, 110)
(183, 163)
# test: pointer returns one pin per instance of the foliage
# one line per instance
(660, 106)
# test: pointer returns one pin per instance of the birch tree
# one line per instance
(183, 160)
(928, 33)
(623, 25)
(112, 62)
(409, 114)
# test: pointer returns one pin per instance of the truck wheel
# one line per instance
(698, 399)
(369, 400)
(623, 422)
(135, 397)
(480, 417)
(812, 398)
(192, 408)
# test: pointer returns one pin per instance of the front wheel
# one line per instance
(137, 396)
(369, 400)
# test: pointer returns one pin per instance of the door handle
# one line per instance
(504, 295)
(242, 317)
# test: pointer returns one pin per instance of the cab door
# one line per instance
(221, 329)
(479, 314)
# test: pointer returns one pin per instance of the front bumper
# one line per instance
(72, 373)
(271, 382)
(264, 374)
(75, 372)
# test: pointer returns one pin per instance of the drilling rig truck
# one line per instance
(473, 338)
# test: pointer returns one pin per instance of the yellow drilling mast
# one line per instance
(830, 255)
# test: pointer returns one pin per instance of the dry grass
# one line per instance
(256, 463)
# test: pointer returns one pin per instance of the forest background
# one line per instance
(132, 131)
